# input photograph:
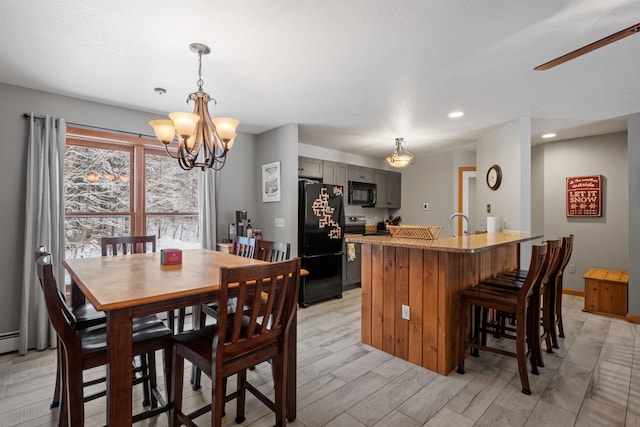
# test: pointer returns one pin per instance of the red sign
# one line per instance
(584, 196)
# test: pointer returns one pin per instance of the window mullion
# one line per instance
(139, 215)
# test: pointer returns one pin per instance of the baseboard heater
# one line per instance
(9, 341)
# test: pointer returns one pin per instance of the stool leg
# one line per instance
(521, 353)
(462, 333)
(559, 306)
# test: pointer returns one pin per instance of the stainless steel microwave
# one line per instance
(362, 193)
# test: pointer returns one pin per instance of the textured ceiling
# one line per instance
(353, 74)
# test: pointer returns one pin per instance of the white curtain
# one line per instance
(44, 224)
(207, 207)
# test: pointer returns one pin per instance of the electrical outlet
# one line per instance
(279, 222)
(572, 268)
(488, 208)
(425, 206)
(405, 312)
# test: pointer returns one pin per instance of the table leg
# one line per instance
(119, 378)
(292, 378)
(77, 297)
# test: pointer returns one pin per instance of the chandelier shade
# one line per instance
(202, 142)
(400, 157)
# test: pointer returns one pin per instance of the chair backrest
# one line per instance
(567, 248)
(62, 319)
(552, 261)
(269, 293)
(272, 251)
(127, 244)
(244, 246)
(535, 273)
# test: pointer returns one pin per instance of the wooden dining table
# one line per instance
(136, 285)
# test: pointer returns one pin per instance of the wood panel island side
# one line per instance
(427, 276)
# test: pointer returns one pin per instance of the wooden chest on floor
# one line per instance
(605, 291)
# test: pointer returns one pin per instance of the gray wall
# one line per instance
(236, 185)
(599, 242)
(429, 180)
(15, 102)
(633, 170)
(281, 145)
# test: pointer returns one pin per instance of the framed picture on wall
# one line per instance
(271, 182)
(584, 196)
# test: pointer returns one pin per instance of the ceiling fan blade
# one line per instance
(591, 46)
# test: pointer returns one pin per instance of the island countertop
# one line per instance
(462, 244)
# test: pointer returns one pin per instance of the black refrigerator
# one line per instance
(320, 238)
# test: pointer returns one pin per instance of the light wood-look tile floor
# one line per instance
(592, 380)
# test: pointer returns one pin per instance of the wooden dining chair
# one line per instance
(127, 244)
(140, 244)
(272, 251)
(241, 339)
(244, 246)
(475, 300)
(83, 349)
(86, 315)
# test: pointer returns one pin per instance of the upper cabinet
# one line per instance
(388, 186)
(361, 174)
(309, 168)
(335, 173)
(388, 183)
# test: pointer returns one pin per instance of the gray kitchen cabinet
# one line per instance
(335, 173)
(388, 186)
(394, 189)
(351, 270)
(309, 168)
(361, 174)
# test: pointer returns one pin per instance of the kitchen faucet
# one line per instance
(466, 233)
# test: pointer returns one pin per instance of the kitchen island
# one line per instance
(411, 288)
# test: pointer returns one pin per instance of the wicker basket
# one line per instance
(427, 232)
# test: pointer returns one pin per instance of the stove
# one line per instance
(355, 224)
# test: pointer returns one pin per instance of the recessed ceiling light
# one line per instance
(548, 135)
(456, 114)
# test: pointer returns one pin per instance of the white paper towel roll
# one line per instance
(493, 224)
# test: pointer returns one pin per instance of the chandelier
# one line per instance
(202, 142)
(400, 157)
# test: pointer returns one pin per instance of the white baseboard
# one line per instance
(9, 342)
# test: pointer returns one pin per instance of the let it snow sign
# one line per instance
(584, 196)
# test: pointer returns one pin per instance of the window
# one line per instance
(117, 185)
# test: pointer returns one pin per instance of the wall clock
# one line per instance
(494, 177)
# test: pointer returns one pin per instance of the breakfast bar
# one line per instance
(411, 287)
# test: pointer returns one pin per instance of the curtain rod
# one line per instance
(139, 135)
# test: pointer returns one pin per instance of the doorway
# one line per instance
(467, 199)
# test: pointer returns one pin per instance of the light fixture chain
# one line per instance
(200, 82)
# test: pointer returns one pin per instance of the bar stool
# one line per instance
(554, 295)
(481, 297)
(542, 304)
(567, 244)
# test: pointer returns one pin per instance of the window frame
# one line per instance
(137, 147)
